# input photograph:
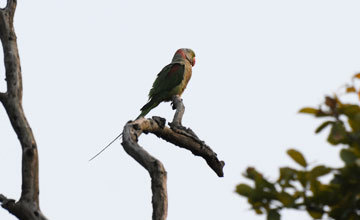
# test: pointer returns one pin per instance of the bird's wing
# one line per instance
(168, 78)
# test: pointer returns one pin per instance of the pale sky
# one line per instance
(87, 69)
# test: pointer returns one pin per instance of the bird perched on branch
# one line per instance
(171, 80)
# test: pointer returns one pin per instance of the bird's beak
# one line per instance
(193, 62)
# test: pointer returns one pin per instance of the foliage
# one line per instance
(301, 189)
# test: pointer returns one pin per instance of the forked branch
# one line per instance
(27, 208)
(175, 134)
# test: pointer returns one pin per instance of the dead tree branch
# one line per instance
(27, 208)
(2, 96)
(175, 134)
(178, 105)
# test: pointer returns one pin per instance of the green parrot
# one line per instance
(171, 80)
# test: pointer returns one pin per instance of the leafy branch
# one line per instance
(301, 189)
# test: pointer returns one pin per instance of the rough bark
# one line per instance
(27, 208)
(175, 134)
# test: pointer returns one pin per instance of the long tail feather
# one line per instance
(106, 147)
(147, 108)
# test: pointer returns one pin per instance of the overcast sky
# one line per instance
(88, 66)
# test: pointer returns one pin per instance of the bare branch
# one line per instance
(11, 6)
(28, 206)
(2, 96)
(180, 109)
(181, 137)
(176, 134)
(10, 49)
(21, 210)
(6, 203)
(152, 165)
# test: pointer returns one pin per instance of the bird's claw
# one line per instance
(173, 106)
(175, 101)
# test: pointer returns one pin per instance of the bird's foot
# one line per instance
(173, 105)
(175, 101)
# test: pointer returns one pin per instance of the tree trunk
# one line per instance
(27, 208)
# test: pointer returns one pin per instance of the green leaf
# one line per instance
(323, 125)
(308, 110)
(315, 214)
(315, 186)
(353, 114)
(252, 173)
(302, 177)
(348, 156)
(258, 211)
(273, 215)
(244, 190)
(297, 194)
(297, 157)
(320, 170)
(337, 133)
(286, 175)
(354, 121)
(286, 199)
(349, 109)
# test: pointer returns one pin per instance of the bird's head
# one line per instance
(185, 53)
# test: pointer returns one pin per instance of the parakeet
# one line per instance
(172, 80)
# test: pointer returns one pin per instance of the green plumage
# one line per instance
(171, 80)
